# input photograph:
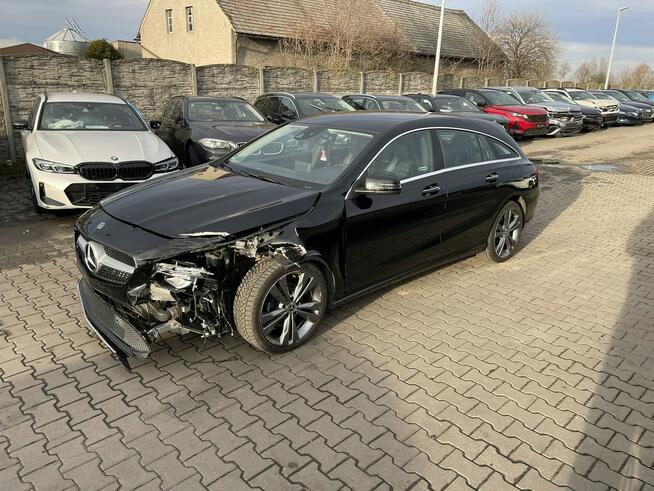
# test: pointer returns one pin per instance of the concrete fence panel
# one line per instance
(228, 80)
(417, 82)
(517, 81)
(552, 84)
(148, 83)
(496, 82)
(287, 80)
(567, 84)
(472, 82)
(338, 82)
(380, 82)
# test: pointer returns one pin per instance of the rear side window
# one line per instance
(262, 105)
(465, 147)
(411, 155)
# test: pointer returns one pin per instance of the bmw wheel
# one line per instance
(279, 304)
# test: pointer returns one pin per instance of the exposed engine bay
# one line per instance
(195, 291)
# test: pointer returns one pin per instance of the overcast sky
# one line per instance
(584, 26)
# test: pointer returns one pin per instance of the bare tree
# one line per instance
(639, 77)
(489, 55)
(337, 36)
(532, 49)
(564, 70)
(592, 71)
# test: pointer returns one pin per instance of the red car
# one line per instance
(524, 120)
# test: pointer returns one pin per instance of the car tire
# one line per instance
(504, 236)
(272, 312)
(192, 157)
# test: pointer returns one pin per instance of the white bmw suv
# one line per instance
(80, 148)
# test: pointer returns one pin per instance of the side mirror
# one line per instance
(181, 121)
(482, 104)
(21, 124)
(155, 125)
(380, 185)
(271, 118)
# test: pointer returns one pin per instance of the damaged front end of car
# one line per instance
(130, 306)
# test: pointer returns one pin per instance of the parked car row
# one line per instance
(81, 148)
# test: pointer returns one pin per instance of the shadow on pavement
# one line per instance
(623, 400)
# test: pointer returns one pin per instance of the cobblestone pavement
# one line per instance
(532, 374)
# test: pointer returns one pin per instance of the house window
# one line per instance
(189, 19)
(169, 20)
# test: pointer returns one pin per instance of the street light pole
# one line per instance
(615, 36)
(434, 85)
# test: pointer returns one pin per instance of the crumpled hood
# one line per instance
(206, 201)
(235, 132)
(556, 106)
(74, 147)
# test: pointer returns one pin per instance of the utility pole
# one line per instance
(615, 36)
(434, 86)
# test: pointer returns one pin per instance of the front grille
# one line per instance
(105, 319)
(83, 194)
(567, 116)
(113, 266)
(608, 108)
(537, 118)
(106, 171)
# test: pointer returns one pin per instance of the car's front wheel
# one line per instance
(279, 304)
(505, 233)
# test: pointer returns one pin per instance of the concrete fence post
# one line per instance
(194, 80)
(461, 82)
(487, 82)
(108, 78)
(262, 85)
(316, 84)
(362, 82)
(400, 88)
(4, 96)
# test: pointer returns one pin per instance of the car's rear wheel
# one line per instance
(279, 304)
(505, 233)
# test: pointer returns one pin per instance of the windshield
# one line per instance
(401, 105)
(581, 95)
(498, 98)
(217, 110)
(560, 97)
(321, 104)
(617, 95)
(80, 116)
(534, 96)
(455, 105)
(637, 96)
(308, 156)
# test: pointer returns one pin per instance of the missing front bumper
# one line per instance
(121, 337)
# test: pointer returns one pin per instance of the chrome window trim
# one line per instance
(440, 171)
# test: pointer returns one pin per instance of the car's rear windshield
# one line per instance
(407, 105)
(306, 156)
(312, 105)
(217, 110)
(89, 116)
(498, 98)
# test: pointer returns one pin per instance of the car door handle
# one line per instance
(492, 178)
(431, 190)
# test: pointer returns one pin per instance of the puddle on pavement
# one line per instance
(601, 167)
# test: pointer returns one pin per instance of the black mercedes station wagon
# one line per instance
(301, 219)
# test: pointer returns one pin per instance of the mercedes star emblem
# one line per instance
(91, 257)
(100, 225)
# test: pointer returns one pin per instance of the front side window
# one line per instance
(169, 20)
(475, 98)
(411, 155)
(287, 108)
(321, 104)
(80, 116)
(465, 148)
(189, 19)
(306, 156)
(211, 111)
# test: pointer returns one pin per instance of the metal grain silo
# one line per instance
(67, 41)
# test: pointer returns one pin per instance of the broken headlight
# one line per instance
(179, 276)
